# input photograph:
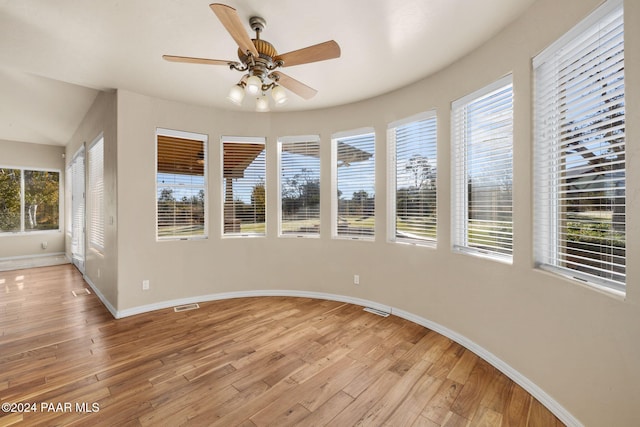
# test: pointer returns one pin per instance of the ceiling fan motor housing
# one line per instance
(263, 64)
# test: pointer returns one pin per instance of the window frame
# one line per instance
(242, 140)
(336, 138)
(459, 188)
(392, 190)
(548, 235)
(96, 198)
(23, 231)
(204, 139)
(298, 139)
(77, 206)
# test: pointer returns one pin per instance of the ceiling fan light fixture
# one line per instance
(260, 61)
(262, 104)
(279, 95)
(254, 85)
(236, 94)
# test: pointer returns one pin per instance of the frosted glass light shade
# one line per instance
(254, 85)
(262, 103)
(236, 94)
(279, 95)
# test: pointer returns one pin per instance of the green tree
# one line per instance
(300, 191)
(41, 198)
(421, 171)
(258, 201)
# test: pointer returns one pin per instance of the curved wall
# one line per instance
(580, 346)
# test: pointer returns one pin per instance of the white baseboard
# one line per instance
(557, 409)
(247, 294)
(20, 257)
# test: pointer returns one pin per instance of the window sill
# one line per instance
(504, 259)
(409, 242)
(28, 233)
(603, 289)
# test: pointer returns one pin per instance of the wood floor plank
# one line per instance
(247, 362)
(396, 394)
(463, 367)
(440, 405)
(516, 413)
(326, 412)
(468, 401)
(355, 413)
(414, 403)
(539, 416)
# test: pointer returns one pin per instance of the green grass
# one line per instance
(594, 228)
(253, 228)
(181, 231)
(496, 235)
(421, 227)
(304, 225)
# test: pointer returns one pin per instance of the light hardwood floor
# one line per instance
(250, 362)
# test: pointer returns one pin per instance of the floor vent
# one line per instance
(185, 307)
(376, 311)
(80, 292)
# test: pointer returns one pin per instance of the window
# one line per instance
(412, 145)
(77, 208)
(580, 152)
(355, 191)
(181, 190)
(29, 200)
(299, 185)
(245, 196)
(95, 221)
(483, 171)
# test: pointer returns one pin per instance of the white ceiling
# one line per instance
(56, 55)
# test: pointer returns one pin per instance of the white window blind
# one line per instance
(67, 200)
(244, 176)
(483, 171)
(412, 144)
(355, 176)
(181, 185)
(95, 220)
(77, 206)
(299, 185)
(580, 151)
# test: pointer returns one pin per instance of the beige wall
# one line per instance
(579, 345)
(22, 154)
(101, 268)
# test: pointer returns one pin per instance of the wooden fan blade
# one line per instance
(191, 60)
(231, 21)
(295, 86)
(315, 53)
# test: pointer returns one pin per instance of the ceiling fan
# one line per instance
(260, 60)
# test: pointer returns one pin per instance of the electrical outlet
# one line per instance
(356, 279)
(44, 245)
(145, 285)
